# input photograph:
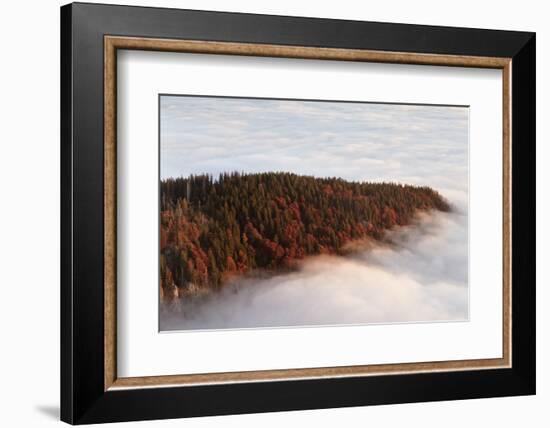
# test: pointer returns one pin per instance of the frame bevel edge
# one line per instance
(507, 209)
(523, 128)
(66, 217)
(301, 52)
(110, 187)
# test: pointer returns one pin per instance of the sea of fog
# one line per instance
(418, 274)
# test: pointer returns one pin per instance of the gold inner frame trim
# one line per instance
(113, 43)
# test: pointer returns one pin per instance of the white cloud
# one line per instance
(421, 276)
(356, 141)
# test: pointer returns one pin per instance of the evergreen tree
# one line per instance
(212, 229)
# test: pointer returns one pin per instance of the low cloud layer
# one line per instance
(420, 275)
(424, 145)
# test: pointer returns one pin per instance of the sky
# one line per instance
(415, 144)
(422, 276)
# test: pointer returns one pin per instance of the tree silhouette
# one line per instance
(214, 229)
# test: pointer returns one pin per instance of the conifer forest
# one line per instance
(213, 229)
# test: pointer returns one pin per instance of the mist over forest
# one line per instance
(412, 278)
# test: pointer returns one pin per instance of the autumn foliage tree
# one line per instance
(214, 229)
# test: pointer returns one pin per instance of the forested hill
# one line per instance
(214, 229)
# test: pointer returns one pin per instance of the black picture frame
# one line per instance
(83, 398)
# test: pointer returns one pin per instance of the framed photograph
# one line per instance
(265, 213)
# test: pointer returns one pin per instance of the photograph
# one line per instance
(295, 213)
(272, 211)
